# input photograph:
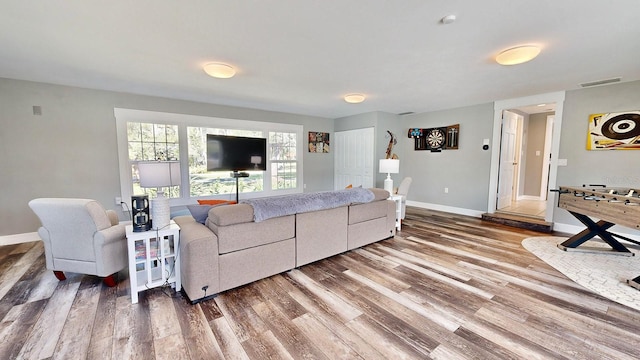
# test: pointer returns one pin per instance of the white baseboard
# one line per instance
(18, 238)
(449, 209)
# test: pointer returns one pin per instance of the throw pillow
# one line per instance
(214, 202)
(200, 212)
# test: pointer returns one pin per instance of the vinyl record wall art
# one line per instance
(614, 131)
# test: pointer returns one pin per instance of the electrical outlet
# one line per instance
(118, 200)
(446, 190)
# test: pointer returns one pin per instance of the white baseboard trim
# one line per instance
(449, 209)
(19, 238)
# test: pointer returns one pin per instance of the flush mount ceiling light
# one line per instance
(219, 70)
(518, 55)
(354, 98)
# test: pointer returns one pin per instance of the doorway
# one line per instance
(525, 150)
(514, 187)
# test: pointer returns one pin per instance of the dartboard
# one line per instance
(435, 138)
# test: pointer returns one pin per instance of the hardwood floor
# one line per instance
(447, 287)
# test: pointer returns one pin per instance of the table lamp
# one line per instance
(159, 174)
(389, 166)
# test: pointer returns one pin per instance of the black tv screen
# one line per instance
(236, 153)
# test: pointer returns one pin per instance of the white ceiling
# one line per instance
(303, 56)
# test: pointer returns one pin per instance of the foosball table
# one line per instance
(612, 206)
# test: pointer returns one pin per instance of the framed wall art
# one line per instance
(614, 131)
(318, 142)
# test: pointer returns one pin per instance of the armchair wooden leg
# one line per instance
(110, 280)
(59, 275)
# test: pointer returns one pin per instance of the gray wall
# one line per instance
(71, 149)
(536, 130)
(611, 167)
(465, 172)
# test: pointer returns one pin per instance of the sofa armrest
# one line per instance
(199, 269)
(183, 219)
(379, 194)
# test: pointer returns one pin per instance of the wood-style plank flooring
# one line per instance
(447, 287)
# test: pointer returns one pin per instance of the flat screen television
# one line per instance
(236, 153)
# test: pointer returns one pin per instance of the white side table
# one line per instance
(153, 259)
(398, 200)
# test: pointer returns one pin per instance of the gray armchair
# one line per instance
(403, 190)
(80, 236)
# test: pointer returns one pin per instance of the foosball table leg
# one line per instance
(635, 282)
(594, 229)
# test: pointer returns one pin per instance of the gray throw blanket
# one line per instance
(269, 207)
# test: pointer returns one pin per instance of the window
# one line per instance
(283, 156)
(147, 135)
(205, 183)
(147, 142)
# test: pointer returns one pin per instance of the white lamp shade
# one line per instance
(389, 166)
(159, 173)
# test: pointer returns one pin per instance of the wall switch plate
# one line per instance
(446, 190)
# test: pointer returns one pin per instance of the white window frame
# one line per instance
(122, 116)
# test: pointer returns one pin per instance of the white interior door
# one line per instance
(353, 158)
(507, 159)
(546, 163)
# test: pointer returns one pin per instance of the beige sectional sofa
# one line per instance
(231, 249)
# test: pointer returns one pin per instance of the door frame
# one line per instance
(498, 107)
(544, 181)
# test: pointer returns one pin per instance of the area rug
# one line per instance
(603, 273)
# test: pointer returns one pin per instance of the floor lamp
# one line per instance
(389, 166)
(159, 174)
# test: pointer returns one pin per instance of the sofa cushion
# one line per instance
(363, 212)
(232, 214)
(247, 235)
(201, 212)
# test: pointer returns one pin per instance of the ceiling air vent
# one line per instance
(601, 82)
(406, 113)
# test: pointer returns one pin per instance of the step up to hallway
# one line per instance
(522, 222)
